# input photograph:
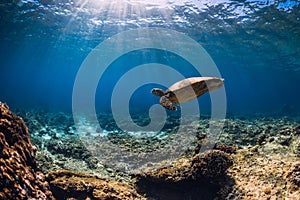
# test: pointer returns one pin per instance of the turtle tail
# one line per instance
(165, 102)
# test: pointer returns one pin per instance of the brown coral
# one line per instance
(19, 179)
(74, 185)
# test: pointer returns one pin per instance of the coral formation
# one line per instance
(19, 178)
(68, 147)
(73, 185)
(210, 164)
(259, 174)
(294, 174)
(202, 177)
(265, 153)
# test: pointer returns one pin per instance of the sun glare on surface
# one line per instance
(123, 8)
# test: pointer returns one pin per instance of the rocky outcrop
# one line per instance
(293, 174)
(18, 174)
(259, 174)
(187, 178)
(190, 177)
(74, 185)
(202, 177)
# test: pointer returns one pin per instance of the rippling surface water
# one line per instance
(254, 43)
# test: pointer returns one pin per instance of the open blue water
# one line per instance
(255, 45)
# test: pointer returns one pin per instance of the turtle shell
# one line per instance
(191, 88)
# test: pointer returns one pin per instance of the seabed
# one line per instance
(254, 158)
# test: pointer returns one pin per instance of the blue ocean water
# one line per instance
(255, 45)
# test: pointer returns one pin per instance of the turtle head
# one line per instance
(158, 92)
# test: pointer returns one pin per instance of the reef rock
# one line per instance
(202, 177)
(259, 174)
(294, 174)
(74, 185)
(18, 175)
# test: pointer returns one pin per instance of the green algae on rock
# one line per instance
(19, 177)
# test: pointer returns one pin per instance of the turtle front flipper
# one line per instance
(165, 102)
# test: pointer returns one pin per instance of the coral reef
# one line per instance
(73, 185)
(183, 179)
(269, 170)
(69, 147)
(259, 174)
(202, 177)
(249, 132)
(210, 164)
(294, 174)
(265, 151)
(19, 178)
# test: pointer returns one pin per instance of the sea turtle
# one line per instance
(186, 90)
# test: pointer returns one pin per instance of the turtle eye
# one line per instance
(154, 91)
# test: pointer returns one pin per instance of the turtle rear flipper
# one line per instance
(165, 102)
